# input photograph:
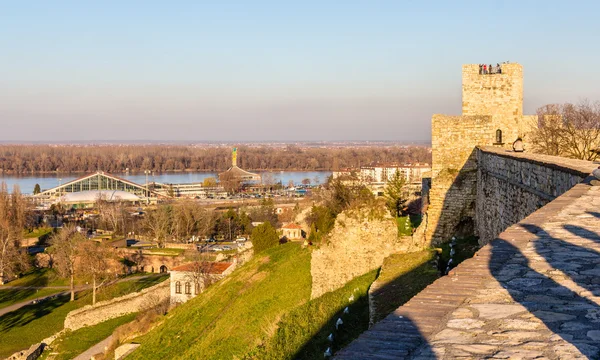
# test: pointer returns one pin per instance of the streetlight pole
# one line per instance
(147, 189)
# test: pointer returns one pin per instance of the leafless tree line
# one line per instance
(74, 256)
(13, 219)
(570, 130)
(178, 222)
(22, 159)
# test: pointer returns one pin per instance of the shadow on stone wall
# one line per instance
(451, 209)
(558, 305)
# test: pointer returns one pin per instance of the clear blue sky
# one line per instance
(275, 70)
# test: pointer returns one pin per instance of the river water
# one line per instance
(47, 181)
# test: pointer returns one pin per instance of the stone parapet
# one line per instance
(530, 293)
(511, 185)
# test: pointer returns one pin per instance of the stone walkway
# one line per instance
(533, 293)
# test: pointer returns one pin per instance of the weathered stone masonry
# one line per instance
(530, 293)
(491, 104)
(510, 186)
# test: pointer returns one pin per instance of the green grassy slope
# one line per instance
(302, 333)
(30, 324)
(262, 310)
(236, 314)
(73, 343)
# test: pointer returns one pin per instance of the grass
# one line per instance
(236, 314)
(30, 324)
(39, 278)
(302, 333)
(36, 233)
(406, 224)
(128, 287)
(465, 248)
(165, 251)
(73, 343)
(12, 296)
(402, 276)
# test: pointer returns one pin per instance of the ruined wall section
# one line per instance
(510, 186)
(357, 244)
(454, 173)
(105, 310)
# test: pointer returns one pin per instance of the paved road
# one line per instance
(19, 305)
(533, 293)
(96, 349)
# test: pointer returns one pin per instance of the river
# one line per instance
(47, 181)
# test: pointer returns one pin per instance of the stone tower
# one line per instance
(492, 114)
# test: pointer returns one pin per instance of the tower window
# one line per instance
(498, 136)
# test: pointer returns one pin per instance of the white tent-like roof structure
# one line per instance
(97, 183)
(92, 196)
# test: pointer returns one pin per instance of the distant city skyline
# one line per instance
(272, 71)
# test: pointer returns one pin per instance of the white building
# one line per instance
(191, 279)
(382, 173)
(292, 231)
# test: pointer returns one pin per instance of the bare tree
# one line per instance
(571, 130)
(158, 223)
(200, 272)
(13, 215)
(230, 182)
(113, 214)
(65, 248)
(190, 218)
(94, 263)
(268, 178)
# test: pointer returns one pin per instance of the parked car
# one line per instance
(241, 239)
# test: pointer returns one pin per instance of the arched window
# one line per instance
(498, 136)
(178, 287)
(188, 288)
(197, 288)
(163, 269)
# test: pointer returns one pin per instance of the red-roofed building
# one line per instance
(292, 231)
(189, 280)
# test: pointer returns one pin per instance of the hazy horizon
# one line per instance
(245, 72)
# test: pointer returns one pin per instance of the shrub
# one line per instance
(264, 236)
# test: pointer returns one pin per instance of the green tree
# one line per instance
(322, 218)
(395, 194)
(209, 182)
(264, 236)
(37, 189)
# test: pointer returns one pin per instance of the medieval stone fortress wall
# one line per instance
(492, 115)
(531, 290)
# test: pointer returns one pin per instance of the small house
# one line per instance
(292, 231)
(191, 279)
